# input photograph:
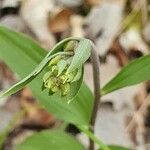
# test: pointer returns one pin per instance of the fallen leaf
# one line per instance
(35, 115)
(61, 21)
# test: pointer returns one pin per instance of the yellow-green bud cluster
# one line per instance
(56, 79)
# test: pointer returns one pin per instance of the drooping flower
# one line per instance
(57, 78)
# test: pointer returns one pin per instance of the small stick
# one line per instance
(135, 115)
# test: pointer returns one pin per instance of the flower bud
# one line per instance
(46, 76)
(63, 78)
(57, 79)
(70, 46)
(55, 60)
(65, 88)
(54, 70)
(54, 89)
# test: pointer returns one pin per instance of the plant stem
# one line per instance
(93, 137)
(96, 79)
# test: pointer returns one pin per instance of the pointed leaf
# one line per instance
(15, 46)
(134, 73)
(82, 53)
(52, 139)
(115, 147)
(18, 86)
(78, 75)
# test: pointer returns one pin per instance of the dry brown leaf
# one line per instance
(61, 21)
(35, 13)
(103, 24)
(131, 39)
(146, 32)
(76, 23)
(119, 52)
(93, 2)
(70, 3)
(35, 114)
(6, 73)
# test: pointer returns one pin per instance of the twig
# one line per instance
(6, 132)
(141, 109)
(147, 145)
(144, 10)
(96, 80)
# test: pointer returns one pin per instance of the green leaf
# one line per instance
(15, 46)
(57, 50)
(78, 75)
(54, 52)
(18, 86)
(82, 53)
(134, 73)
(50, 140)
(75, 86)
(114, 147)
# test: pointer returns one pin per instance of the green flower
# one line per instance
(56, 79)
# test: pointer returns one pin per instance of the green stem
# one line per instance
(97, 95)
(101, 145)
